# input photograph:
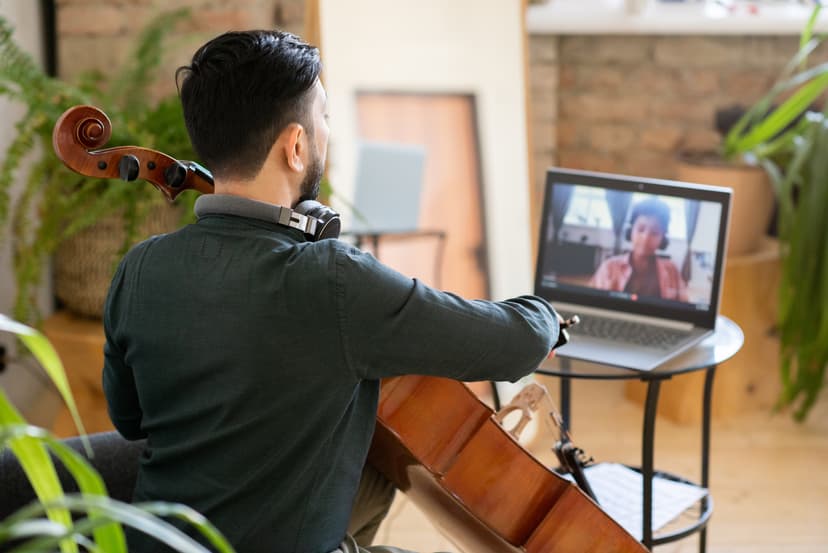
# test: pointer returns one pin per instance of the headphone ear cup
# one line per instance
(664, 243)
(328, 221)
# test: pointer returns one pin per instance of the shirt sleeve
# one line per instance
(393, 325)
(118, 381)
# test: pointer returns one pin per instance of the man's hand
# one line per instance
(563, 335)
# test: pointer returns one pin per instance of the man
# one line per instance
(250, 357)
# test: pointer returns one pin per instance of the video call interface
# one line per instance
(634, 246)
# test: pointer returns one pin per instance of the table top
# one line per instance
(396, 233)
(717, 348)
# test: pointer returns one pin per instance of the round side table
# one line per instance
(725, 342)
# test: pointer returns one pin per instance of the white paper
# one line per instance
(619, 491)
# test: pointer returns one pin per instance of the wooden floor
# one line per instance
(769, 475)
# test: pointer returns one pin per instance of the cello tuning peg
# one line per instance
(175, 174)
(128, 167)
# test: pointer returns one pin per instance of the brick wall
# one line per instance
(543, 114)
(98, 34)
(628, 104)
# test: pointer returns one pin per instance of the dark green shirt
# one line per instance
(250, 359)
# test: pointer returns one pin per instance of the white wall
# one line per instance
(19, 384)
(25, 17)
(448, 46)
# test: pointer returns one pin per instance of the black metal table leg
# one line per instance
(647, 470)
(375, 244)
(705, 447)
(565, 396)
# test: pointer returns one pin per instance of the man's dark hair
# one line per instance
(240, 91)
(652, 207)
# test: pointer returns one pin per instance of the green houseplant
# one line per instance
(64, 202)
(783, 134)
(47, 524)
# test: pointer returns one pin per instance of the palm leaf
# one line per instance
(37, 465)
(48, 358)
(109, 536)
(142, 517)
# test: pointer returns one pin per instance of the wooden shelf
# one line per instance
(79, 343)
(570, 17)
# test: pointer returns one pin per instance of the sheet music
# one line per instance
(619, 492)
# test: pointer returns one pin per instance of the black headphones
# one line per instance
(315, 220)
(628, 236)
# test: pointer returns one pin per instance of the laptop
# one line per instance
(389, 181)
(643, 293)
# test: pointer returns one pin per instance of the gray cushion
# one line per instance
(115, 459)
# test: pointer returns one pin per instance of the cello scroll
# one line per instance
(82, 130)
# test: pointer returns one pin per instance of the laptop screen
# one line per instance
(638, 245)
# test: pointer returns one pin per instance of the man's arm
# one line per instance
(118, 381)
(393, 325)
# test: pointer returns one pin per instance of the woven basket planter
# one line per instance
(84, 264)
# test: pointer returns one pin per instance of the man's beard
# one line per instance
(309, 189)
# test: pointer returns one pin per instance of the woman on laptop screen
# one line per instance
(641, 272)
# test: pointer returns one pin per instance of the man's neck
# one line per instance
(272, 192)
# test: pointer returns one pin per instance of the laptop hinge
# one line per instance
(634, 317)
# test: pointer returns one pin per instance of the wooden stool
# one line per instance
(79, 343)
(750, 380)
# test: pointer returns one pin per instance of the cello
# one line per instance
(434, 439)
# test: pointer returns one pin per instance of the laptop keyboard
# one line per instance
(627, 331)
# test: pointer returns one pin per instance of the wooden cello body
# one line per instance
(434, 439)
(443, 447)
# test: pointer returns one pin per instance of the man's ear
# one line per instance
(292, 138)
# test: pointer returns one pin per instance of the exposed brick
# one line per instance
(647, 164)
(611, 138)
(596, 107)
(603, 49)
(221, 20)
(747, 86)
(540, 164)
(544, 107)
(671, 88)
(699, 81)
(660, 139)
(543, 137)
(651, 80)
(544, 91)
(662, 110)
(81, 53)
(543, 48)
(288, 12)
(567, 75)
(699, 51)
(701, 140)
(193, 5)
(600, 77)
(90, 19)
(586, 159)
(61, 3)
(572, 134)
(769, 54)
(543, 76)
(98, 34)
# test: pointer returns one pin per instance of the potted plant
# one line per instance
(782, 135)
(78, 217)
